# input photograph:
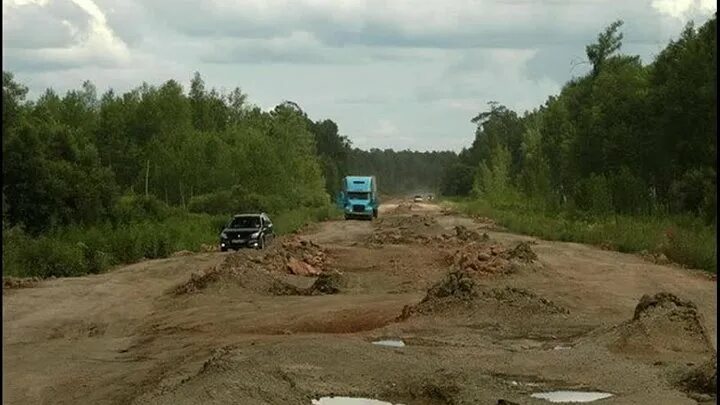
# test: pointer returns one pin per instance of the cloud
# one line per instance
(683, 9)
(391, 74)
(84, 40)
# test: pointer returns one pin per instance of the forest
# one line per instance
(90, 181)
(624, 141)
(94, 180)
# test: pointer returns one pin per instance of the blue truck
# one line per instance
(359, 198)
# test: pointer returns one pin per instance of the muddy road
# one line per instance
(485, 316)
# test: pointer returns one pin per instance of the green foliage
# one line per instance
(293, 220)
(492, 181)
(683, 240)
(92, 182)
(77, 250)
(134, 208)
(593, 195)
(609, 41)
(402, 172)
(457, 180)
(626, 138)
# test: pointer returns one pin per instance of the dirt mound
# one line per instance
(17, 282)
(490, 258)
(458, 289)
(405, 230)
(663, 323)
(655, 257)
(522, 252)
(329, 282)
(518, 297)
(402, 208)
(258, 272)
(248, 276)
(294, 255)
(464, 234)
(485, 222)
(702, 379)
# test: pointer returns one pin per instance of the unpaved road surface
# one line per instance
(483, 320)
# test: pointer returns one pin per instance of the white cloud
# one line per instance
(681, 9)
(401, 74)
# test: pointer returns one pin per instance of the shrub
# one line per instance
(134, 208)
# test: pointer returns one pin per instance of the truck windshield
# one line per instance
(358, 196)
(245, 222)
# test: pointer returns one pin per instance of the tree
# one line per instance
(608, 42)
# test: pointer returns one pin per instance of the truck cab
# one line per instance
(359, 197)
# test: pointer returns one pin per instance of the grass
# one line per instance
(683, 239)
(76, 251)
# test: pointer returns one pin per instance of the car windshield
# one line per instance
(245, 222)
(358, 196)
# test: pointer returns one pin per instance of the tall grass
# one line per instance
(683, 239)
(76, 250)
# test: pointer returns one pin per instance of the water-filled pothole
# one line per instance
(571, 396)
(390, 343)
(348, 401)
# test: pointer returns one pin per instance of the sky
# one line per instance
(392, 74)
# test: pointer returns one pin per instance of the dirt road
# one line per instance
(482, 318)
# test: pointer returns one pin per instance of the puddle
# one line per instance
(528, 384)
(571, 396)
(562, 348)
(348, 401)
(391, 343)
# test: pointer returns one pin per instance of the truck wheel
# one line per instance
(223, 249)
(261, 244)
(375, 213)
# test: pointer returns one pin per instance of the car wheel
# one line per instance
(261, 245)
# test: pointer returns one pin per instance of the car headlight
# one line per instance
(223, 235)
(255, 235)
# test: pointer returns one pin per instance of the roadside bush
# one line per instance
(135, 208)
(220, 202)
(290, 221)
(683, 239)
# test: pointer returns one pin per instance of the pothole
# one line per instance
(390, 343)
(349, 401)
(571, 396)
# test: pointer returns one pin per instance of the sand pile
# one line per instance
(329, 282)
(662, 323)
(405, 230)
(485, 222)
(464, 234)
(250, 272)
(490, 258)
(701, 379)
(527, 300)
(295, 256)
(459, 290)
(249, 277)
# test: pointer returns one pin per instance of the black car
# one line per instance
(247, 230)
